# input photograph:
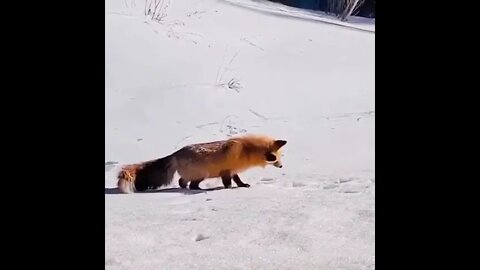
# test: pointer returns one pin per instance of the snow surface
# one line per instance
(308, 82)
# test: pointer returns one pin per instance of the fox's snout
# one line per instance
(278, 164)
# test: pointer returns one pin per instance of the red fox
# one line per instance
(197, 162)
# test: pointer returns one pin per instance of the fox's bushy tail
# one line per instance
(147, 175)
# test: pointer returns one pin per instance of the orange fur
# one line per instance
(197, 162)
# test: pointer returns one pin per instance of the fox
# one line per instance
(197, 162)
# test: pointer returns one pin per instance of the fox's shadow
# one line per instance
(185, 191)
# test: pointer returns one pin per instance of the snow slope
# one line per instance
(310, 83)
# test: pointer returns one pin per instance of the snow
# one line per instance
(301, 80)
(274, 8)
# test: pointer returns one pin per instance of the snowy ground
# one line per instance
(310, 83)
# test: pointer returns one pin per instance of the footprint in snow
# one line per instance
(200, 237)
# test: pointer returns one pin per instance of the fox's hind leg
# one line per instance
(239, 182)
(182, 183)
(194, 184)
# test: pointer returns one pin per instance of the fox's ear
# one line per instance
(279, 144)
(270, 157)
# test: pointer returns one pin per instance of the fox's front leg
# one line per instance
(239, 182)
(226, 178)
(227, 181)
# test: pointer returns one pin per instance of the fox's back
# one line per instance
(205, 153)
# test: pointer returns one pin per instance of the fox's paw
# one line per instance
(244, 185)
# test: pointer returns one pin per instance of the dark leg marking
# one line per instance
(194, 184)
(239, 182)
(226, 179)
(182, 182)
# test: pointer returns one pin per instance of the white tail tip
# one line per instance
(126, 187)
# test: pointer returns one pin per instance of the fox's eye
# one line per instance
(270, 157)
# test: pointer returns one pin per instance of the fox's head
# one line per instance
(274, 153)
